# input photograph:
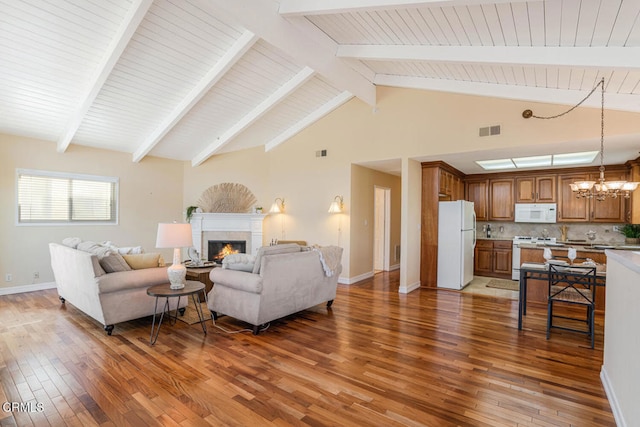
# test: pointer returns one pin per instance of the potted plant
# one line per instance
(631, 233)
(190, 211)
(258, 209)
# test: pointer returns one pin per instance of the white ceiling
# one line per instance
(188, 79)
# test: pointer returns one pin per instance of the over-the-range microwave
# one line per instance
(535, 212)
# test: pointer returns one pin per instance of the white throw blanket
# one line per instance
(330, 257)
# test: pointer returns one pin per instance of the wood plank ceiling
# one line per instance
(188, 79)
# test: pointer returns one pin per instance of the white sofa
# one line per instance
(109, 298)
(285, 280)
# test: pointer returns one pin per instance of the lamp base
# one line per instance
(177, 275)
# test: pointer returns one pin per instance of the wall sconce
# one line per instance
(337, 205)
(277, 207)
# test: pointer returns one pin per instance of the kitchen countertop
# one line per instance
(630, 259)
(583, 248)
(494, 238)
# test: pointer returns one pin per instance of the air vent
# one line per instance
(321, 153)
(490, 130)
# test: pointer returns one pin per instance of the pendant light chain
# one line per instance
(601, 189)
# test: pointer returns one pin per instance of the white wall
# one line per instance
(150, 192)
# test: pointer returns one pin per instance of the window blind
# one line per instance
(59, 198)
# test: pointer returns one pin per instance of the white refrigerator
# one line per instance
(456, 243)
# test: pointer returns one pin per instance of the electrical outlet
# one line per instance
(8, 277)
(36, 275)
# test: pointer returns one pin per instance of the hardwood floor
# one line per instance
(377, 358)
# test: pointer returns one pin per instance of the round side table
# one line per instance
(164, 290)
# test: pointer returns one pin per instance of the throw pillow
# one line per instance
(140, 261)
(240, 262)
(114, 263)
(94, 248)
(72, 242)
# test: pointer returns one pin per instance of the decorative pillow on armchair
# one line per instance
(241, 262)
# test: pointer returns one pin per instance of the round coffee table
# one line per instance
(191, 287)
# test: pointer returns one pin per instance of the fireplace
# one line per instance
(218, 249)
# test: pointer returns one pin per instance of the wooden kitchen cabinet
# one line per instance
(501, 199)
(483, 258)
(540, 189)
(478, 193)
(609, 210)
(572, 209)
(502, 254)
(450, 186)
(493, 258)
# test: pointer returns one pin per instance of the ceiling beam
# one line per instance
(309, 120)
(228, 60)
(271, 101)
(608, 57)
(130, 23)
(326, 7)
(262, 18)
(614, 101)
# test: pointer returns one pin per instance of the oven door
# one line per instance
(515, 264)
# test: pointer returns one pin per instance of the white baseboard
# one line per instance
(611, 396)
(410, 288)
(354, 279)
(27, 288)
(394, 267)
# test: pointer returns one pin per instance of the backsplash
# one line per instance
(576, 231)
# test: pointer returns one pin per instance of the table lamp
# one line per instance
(176, 236)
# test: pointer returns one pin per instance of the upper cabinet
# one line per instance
(477, 191)
(572, 209)
(492, 198)
(541, 189)
(501, 200)
(450, 186)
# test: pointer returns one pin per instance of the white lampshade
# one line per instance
(336, 206)
(173, 235)
(277, 207)
(176, 236)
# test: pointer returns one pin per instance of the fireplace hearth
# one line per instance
(218, 249)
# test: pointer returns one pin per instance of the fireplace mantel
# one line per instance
(231, 222)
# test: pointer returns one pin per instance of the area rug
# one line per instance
(191, 315)
(510, 285)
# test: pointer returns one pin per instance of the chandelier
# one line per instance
(600, 189)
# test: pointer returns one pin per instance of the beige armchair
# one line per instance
(286, 279)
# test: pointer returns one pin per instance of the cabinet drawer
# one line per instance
(485, 244)
(502, 244)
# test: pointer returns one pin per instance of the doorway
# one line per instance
(381, 228)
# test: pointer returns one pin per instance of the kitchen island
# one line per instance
(620, 372)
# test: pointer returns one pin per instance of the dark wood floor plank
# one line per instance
(429, 358)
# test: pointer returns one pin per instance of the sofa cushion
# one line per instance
(240, 262)
(72, 242)
(147, 260)
(114, 263)
(124, 250)
(273, 250)
(97, 249)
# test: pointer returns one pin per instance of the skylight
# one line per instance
(565, 159)
(496, 164)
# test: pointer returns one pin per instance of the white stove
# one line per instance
(515, 265)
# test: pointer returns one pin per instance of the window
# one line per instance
(62, 198)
